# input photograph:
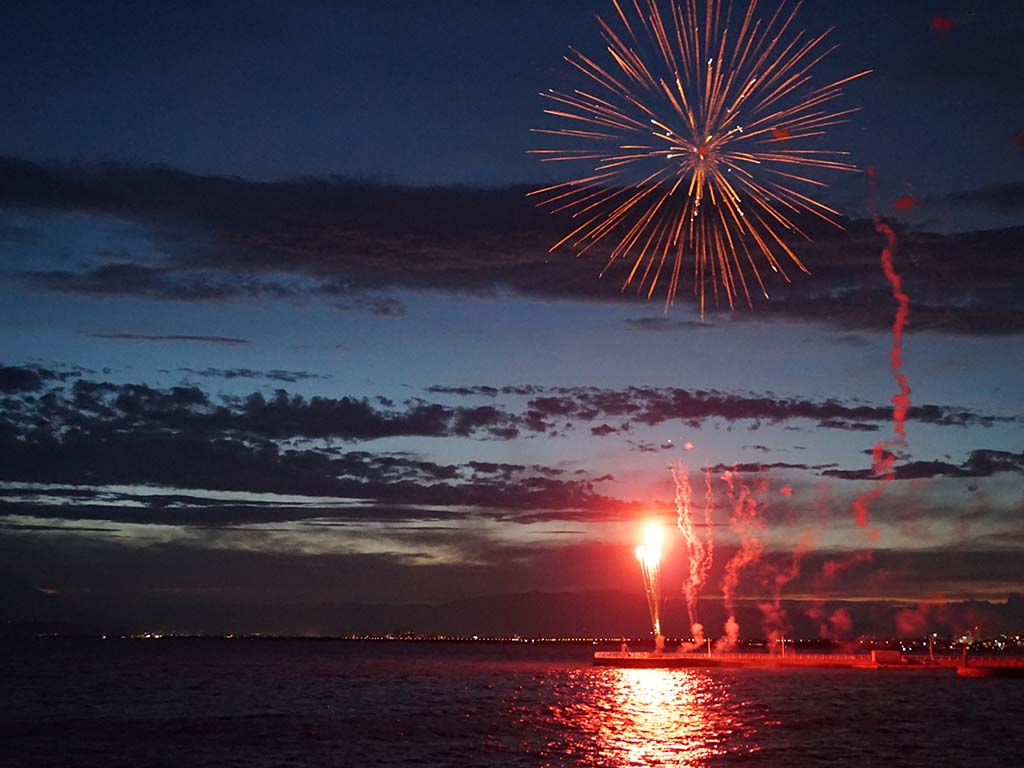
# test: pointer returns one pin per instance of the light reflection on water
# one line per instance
(257, 704)
(641, 717)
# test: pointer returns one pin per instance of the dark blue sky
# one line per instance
(271, 292)
(414, 93)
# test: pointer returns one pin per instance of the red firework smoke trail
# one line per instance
(699, 550)
(773, 615)
(746, 522)
(901, 400)
(836, 626)
(709, 545)
(882, 457)
(709, 542)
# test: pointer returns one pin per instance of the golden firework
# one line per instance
(696, 132)
(649, 556)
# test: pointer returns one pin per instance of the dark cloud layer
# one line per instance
(389, 487)
(78, 436)
(998, 198)
(123, 336)
(653, 406)
(96, 407)
(979, 463)
(161, 283)
(16, 379)
(94, 433)
(19, 379)
(757, 467)
(663, 324)
(275, 374)
(354, 243)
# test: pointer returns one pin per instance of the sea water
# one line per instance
(181, 702)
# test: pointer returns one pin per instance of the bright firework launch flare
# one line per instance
(649, 556)
(697, 132)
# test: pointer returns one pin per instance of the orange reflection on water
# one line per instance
(661, 717)
(652, 717)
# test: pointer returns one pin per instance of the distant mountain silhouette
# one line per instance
(535, 614)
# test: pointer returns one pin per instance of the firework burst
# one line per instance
(699, 133)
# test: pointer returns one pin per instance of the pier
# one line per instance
(993, 666)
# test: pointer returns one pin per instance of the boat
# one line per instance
(990, 670)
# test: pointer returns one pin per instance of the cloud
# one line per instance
(653, 406)
(851, 426)
(958, 284)
(96, 433)
(662, 324)
(20, 379)
(122, 336)
(79, 439)
(17, 379)
(979, 463)
(167, 284)
(998, 198)
(77, 480)
(284, 416)
(358, 243)
(248, 373)
(850, 340)
(90, 410)
(485, 391)
(382, 306)
(757, 467)
(99, 409)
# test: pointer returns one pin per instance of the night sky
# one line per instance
(280, 329)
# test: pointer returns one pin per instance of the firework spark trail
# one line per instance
(684, 521)
(746, 523)
(649, 556)
(709, 539)
(692, 107)
(699, 550)
(882, 457)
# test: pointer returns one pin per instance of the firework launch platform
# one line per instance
(702, 660)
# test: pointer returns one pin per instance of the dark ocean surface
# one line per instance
(260, 703)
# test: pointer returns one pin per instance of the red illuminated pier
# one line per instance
(673, 660)
(980, 667)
